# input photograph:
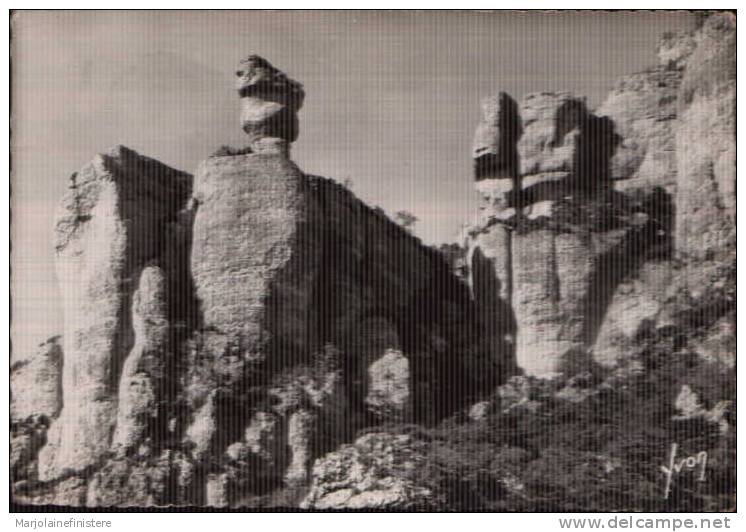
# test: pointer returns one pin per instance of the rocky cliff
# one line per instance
(594, 222)
(223, 330)
(254, 336)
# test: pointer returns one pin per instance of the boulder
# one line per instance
(379, 471)
(689, 406)
(389, 394)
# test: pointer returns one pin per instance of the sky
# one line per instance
(392, 102)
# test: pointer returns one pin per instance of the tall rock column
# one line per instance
(109, 225)
(144, 369)
(269, 105)
(256, 251)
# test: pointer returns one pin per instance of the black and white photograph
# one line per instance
(373, 261)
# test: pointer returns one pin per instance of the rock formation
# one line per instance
(589, 204)
(224, 330)
(38, 383)
(550, 229)
(706, 153)
(255, 336)
(269, 105)
(379, 471)
(110, 224)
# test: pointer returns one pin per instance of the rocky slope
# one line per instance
(254, 336)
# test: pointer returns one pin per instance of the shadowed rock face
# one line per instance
(269, 104)
(531, 272)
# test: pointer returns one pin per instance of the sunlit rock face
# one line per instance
(643, 108)
(537, 257)
(255, 254)
(575, 245)
(36, 382)
(224, 331)
(706, 154)
(257, 336)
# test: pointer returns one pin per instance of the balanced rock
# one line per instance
(269, 104)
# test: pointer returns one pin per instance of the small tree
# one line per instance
(406, 219)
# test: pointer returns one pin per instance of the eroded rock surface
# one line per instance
(269, 104)
(144, 370)
(706, 153)
(221, 335)
(255, 254)
(110, 224)
(36, 383)
(542, 259)
(224, 345)
(643, 107)
(379, 471)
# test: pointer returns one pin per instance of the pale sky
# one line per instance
(392, 101)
